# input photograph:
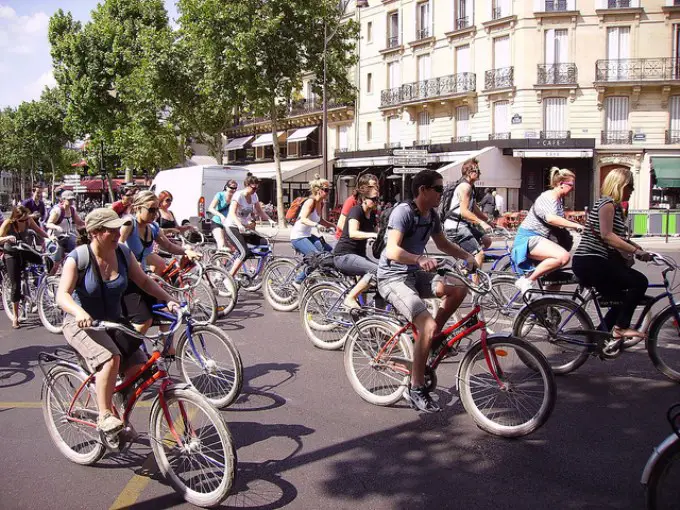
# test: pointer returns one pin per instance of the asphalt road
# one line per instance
(305, 440)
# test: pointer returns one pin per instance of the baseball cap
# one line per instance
(104, 218)
(68, 195)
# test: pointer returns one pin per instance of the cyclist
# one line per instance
(350, 251)
(245, 207)
(139, 236)
(219, 208)
(64, 220)
(365, 181)
(20, 226)
(464, 219)
(533, 241)
(36, 205)
(166, 218)
(598, 261)
(95, 294)
(124, 205)
(405, 277)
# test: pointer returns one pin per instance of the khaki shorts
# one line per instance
(407, 294)
(97, 347)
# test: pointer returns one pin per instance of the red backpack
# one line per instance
(294, 210)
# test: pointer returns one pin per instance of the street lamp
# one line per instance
(327, 38)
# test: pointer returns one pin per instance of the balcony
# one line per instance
(673, 135)
(555, 135)
(393, 145)
(499, 136)
(557, 74)
(554, 8)
(435, 88)
(496, 13)
(502, 78)
(392, 42)
(422, 33)
(671, 6)
(616, 138)
(619, 4)
(637, 70)
(341, 150)
(554, 5)
(461, 139)
(463, 23)
(421, 144)
(605, 8)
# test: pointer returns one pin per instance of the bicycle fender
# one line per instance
(72, 366)
(657, 453)
(647, 323)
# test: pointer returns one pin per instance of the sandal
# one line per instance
(16, 325)
(618, 333)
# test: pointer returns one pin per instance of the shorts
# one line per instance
(407, 294)
(137, 304)
(533, 242)
(467, 237)
(97, 347)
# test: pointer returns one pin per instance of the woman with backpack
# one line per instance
(64, 221)
(94, 280)
(365, 182)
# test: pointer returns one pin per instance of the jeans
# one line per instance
(306, 245)
(355, 265)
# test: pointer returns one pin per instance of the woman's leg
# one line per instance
(239, 243)
(218, 234)
(551, 256)
(320, 244)
(633, 285)
(304, 246)
(356, 265)
(105, 383)
(13, 268)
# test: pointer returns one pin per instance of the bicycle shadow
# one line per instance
(263, 398)
(18, 365)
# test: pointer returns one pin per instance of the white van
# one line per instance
(194, 187)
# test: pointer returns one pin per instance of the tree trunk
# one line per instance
(54, 179)
(128, 175)
(218, 148)
(22, 178)
(277, 165)
(109, 181)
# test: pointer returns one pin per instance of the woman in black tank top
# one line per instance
(166, 218)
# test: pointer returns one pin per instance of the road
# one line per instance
(305, 440)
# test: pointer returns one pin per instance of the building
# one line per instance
(523, 85)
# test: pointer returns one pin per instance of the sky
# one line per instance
(25, 62)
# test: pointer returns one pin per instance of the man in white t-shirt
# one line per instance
(500, 203)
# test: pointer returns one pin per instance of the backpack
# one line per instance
(62, 213)
(82, 256)
(294, 210)
(445, 211)
(383, 221)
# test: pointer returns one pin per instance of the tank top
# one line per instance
(454, 222)
(10, 249)
(164, 223)
(300, 230)
(591, 242)
(141, 248)
(222, 206)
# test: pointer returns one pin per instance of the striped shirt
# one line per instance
(544, 206)
(591, 242)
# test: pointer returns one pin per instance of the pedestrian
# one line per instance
(500, 203)
(488, 204)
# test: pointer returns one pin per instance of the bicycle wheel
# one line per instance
(278, 286)
(51, 316)
(200, 299)
(526, 399)
(663, 344)
(378, 372)
(78, 442)
(544, 322)
(211, 364)
(324, 317)
(501, 305)
(663, 490)
(224, 288)
(193, 447)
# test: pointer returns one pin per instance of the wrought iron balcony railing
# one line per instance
(499, 136)
(557, 74)
(435, 87)
(393, 145)
(616, 137)
(341, 150)
(620, 4)
(302, 107)
(555, 5)
(421, 143)
(555, 134)
(461, 139)
(462, 23)
(496, 13)
(422, 33)
(673, 135)
(393, 42)
(499, 78)
(637, 69)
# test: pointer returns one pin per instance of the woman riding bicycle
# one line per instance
(20, 226)
(604, 255)
(219, 208)
(533, 242)
(245, 207)
(94, 293)
(350, 252)
(365, 181)
(166, 218)
(139, 235)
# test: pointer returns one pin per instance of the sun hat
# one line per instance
(104, 218)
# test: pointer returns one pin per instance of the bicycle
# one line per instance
(567, 345)
(179, 438)
(379, 354)
(661, 475)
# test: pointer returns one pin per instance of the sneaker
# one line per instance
(420, 400)
(351, 303)
(524, 284)
(109, 424)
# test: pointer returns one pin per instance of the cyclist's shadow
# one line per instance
(18, 366)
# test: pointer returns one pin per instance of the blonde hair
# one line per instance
(317, 183)
(559, 175)
(142, 198)
(471, 165)
(615, 182)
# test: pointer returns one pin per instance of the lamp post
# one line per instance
(327, 38)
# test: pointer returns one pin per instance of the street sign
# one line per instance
(410, 153)
(80, 189)
(75, 177)
(411, 170)
(409, 161)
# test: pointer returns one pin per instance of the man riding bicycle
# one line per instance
(405, 275)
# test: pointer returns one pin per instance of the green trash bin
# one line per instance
(670, 223)
(639, 221)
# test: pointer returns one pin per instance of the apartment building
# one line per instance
(523, 85)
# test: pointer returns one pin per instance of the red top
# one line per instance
(119, 207)
(349, 203)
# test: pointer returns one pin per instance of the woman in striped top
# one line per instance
(601, 258)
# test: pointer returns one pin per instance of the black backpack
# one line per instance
(381, 241)
(445, 211)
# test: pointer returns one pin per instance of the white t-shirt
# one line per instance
(500, 204)
(245, 210)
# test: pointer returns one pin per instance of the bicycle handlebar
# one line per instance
(661, 260)
(177, 322)
(460, 271)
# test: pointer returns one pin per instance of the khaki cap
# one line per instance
(104, 218)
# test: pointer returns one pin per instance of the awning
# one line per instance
(667, 172)
(498, 171)
(238, 143)
(301, 134)
(289, 169)
(266, 139)
(564, 153)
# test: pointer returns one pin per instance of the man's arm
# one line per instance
(474, 215)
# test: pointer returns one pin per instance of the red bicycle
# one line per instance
(504, 382)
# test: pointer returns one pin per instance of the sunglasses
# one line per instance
(152, 210)
(438, 188)
(234, 188)
(325, 189)
(168, 200)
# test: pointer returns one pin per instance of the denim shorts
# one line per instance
(406, 294)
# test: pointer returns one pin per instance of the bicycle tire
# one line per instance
(201, 301)
(224, 288)
(280, 296)
(325, 332)
(219, 383)
(359, 346)
(534, 370)
(666, 361)
(221, 460)
(86, 409)
(562, 357)
(51, 316)
(665, 473)
(6, 299)
(499, 307)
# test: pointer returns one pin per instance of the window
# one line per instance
(424, 68)
(555, 117)
(500, 8)
(369, 83)
(616, 119)
(501, 117)
(393, 29)
(674, 132)
(424, 20)
(464, 10)
(556, 47)
(463, 59)
(394, 131)
(343, 137)
(369, 132)
(463, 123)
(393, 75)
(618, 43)
(676, 51)
(424, 128)
(369, 32)
(501, 52)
